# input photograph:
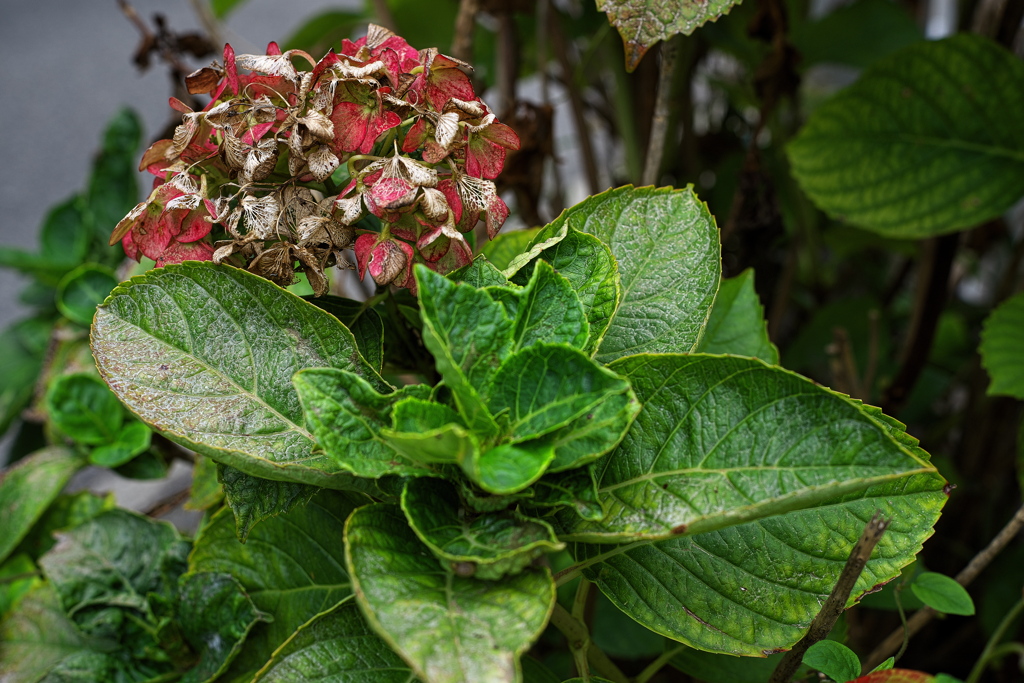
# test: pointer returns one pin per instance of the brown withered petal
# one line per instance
(275, 264)
(272, 65)
(433, 204)
(319, 125)
(393, 261)
(263, 110)
(342, 236)
(353, 72)
(313, 269)
(488, 120)
(312, 227)
(160, 151)
(322, 162)
(417, 173)
(225, 251)
(235, 151)
(184, 133)
(222, 114)
(261, 215)
(471, 109)
(185, 201)
(376, 35)
(260, 161)
(446, 128)
(202, 81)
(405, 81)
(349, 209)
(126, 223)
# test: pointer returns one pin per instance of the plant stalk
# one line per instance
(579, 639)
(662, 112)
(990, 646)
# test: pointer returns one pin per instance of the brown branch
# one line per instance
(836, 602)
(162, 507)
(662, 112)
(575, 103)
(462, 41)
(932, 291)
(964, 578)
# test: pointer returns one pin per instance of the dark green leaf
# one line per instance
(666, 245)
(38, 639)
(115, 559)
(942, 594)
(346, 414)
(509, 468)
(337, 646)
(28, 488)
(835, 37)
(1002, 348)
(29, 263)
(642, 23)
(18, 575)
(82, 290)
(449, 628)
(737, 323)
(366, 325)
(724, 668)
(83, 408)
(587, 263)
(547, 386)
(723, 440)
(292, 567)
(63, 239)
(253, 500)
(469, 335)
(621, 637)
(215, 615)
(206, 354)
(575, 488)
(113, 185)
(833, 659)
(506, 246)
(549, 311)
(132, 440)
(480, 273)
(487, 545)
(65, 512)
(754, 588)
(535, 672)
(924, 143)
(19, 367)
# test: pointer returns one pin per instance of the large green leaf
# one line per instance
(206, 354)
(346, 414)
(548, 310)
(28, 488)
(737, 323)
(449, 628)
(1002, 348)
(754, 588)
(336, 647)
(365, 324)
(215, 615)
(722, 440)
(469, 334)
(38, 639)
(292, 566)
(666, 245)
(82, 407)
(642, 23)
(488, 545)
(926, 142)
(587, 263)
(253, 500)
(115, 559)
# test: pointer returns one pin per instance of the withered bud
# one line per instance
(271, 65)
(275, 264)
(349, 209)
(322, 162)
(319, 125)
(202, 81)
(434, 204)
(446, 127)
(159, 152)
(261, 160)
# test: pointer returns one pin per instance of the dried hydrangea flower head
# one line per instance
(281, 169)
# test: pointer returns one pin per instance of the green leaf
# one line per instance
(834, 38)
(221, 8)
(38, 639)
(737, 323)
(886, 665)
(365, 324)
(28, 488)
(509, 468)
(469, 335)
(346, 414)
(292, 567)
(19, 368)
(63, 239)
(587, 263)
(337, 646)
(724, 668)
(132, 440)
(1002, 348)
(215, 615)
(113, 184)
(449, 628)
(83, 408)
(833, 659)
(206, 354)
(506, 246)
(430, 433)
(549, 311)
(942, 594)
(933, 123)
(753, 589)
(479, 273)
(487, 545)
(253, 500)
(65, 512)
(115, 559)
(320, 32)
(642, 23)
(546, 386)
(82, 290)
(722, 440)
(575, 488)
(666, 245)
(18, 575)
(207, 491)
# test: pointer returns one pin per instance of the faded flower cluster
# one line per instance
(284, 164)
